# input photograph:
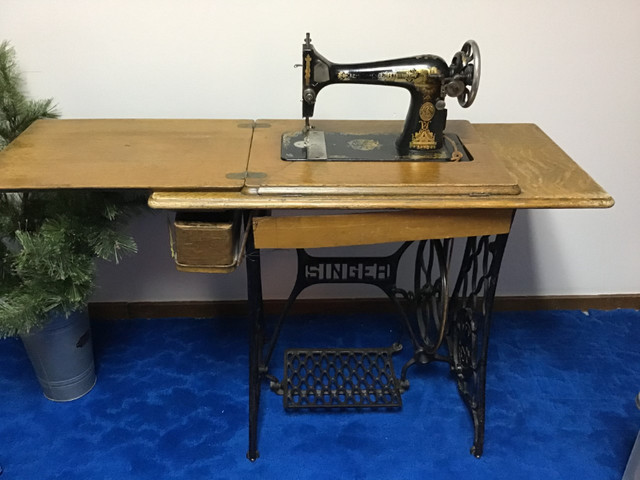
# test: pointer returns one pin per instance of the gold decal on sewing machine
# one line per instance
(307, 70)
(364, 144)
(424, 139)
(427, 111)
(417, 77)
(429, 91)
(344, 76)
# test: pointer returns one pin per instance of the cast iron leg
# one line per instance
(471, 306)
(256, 319)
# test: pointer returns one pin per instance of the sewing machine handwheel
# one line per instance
(471, 62)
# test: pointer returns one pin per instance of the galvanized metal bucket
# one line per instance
(62, 356)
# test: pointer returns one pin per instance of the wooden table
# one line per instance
(211, 165)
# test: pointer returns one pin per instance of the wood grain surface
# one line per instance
(314, 231)
(547, 178)
(202, 164)
(128, 153)
(485, 175)
(543, 169)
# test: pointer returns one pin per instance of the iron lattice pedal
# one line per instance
(340, 378)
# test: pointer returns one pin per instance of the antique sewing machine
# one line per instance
(429, 80)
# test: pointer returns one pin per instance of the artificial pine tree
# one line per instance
(16, 111)
(49, 239)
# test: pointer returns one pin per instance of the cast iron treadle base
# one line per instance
(340, 378)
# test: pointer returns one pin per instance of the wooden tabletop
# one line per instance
(211, 164)
(545, 175)
(270, 175)
(128, 153)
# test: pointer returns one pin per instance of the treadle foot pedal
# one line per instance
(340, 378)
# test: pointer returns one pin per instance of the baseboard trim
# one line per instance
(209, 309)
(569, 302)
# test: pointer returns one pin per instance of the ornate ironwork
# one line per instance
(446, 326)
(470, 319)
(429, 305)
(340, 378)
(381, 272)
(431, 291)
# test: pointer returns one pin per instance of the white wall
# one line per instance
(571, 67)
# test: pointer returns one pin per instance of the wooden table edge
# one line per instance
(166, 200)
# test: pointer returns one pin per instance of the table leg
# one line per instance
(470, 308)
(256, 319)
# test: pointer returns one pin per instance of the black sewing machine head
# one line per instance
(429, 80)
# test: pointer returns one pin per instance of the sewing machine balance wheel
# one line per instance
(470, 58)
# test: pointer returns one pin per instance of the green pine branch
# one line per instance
(17, 112)
(49, 240)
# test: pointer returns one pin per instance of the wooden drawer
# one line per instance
(207, 241)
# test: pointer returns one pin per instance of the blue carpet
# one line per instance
(171, 403)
